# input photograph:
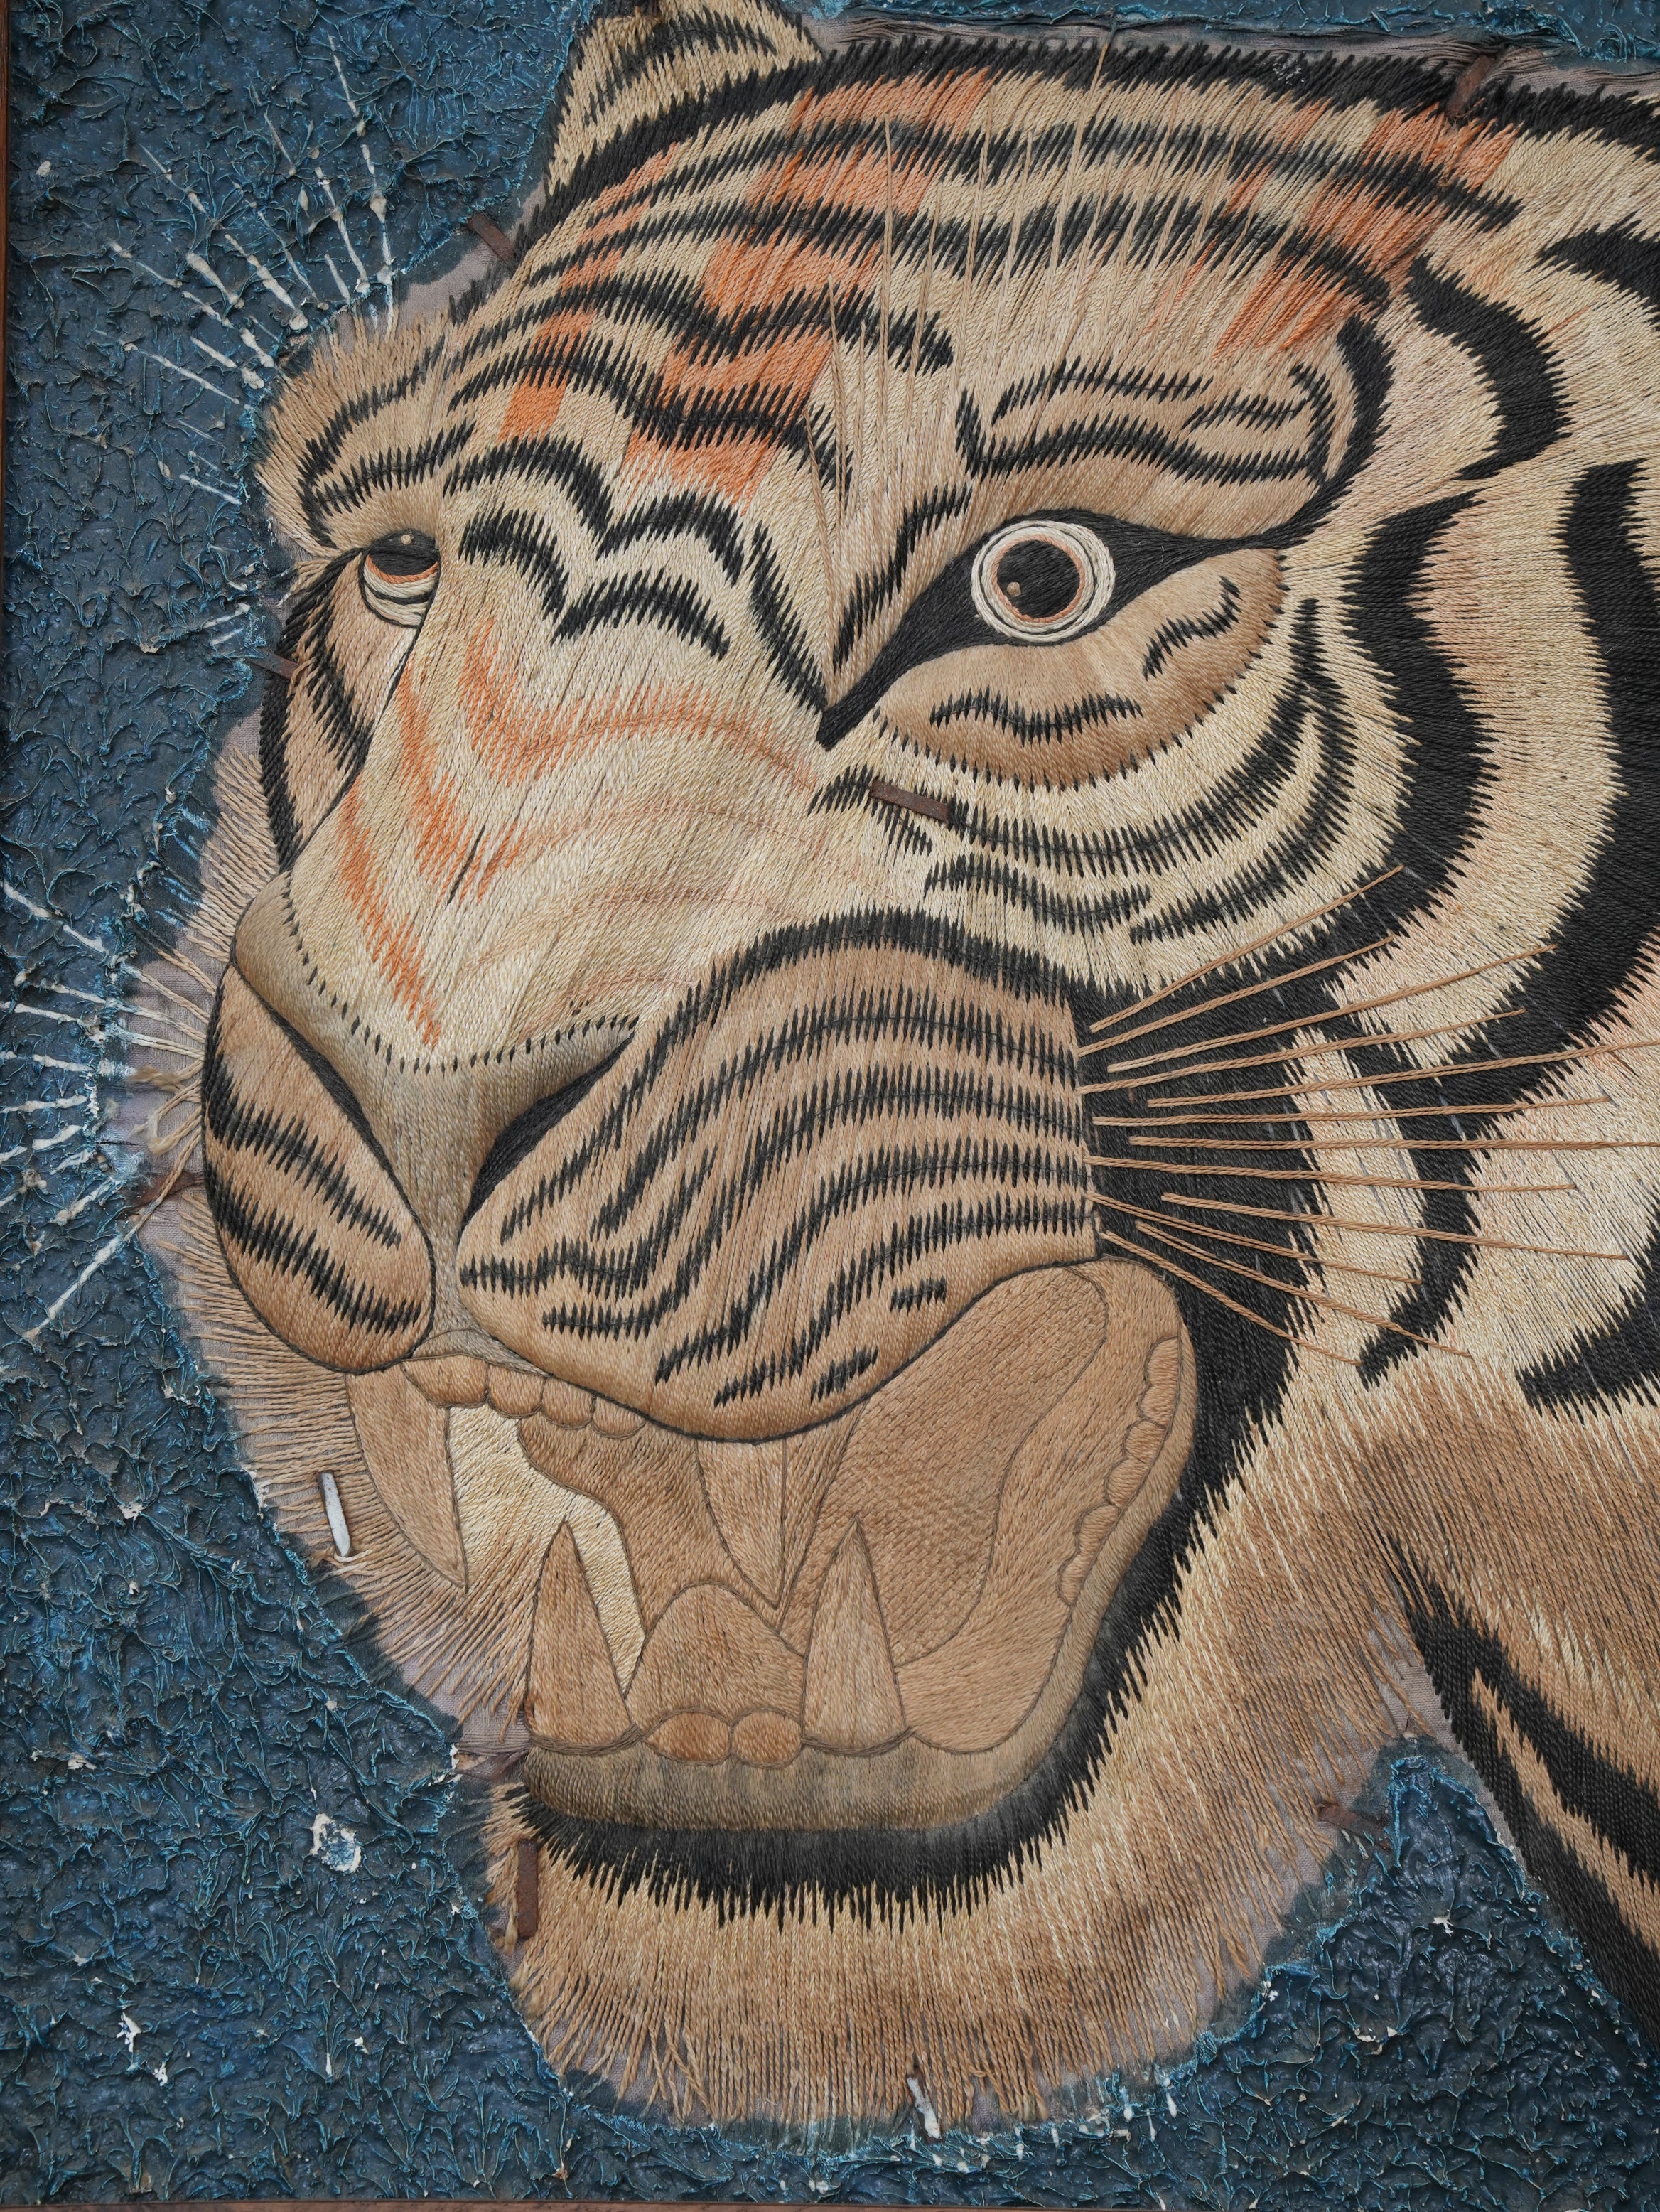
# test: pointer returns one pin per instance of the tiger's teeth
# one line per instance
(744, 1486)
(457, 1379)
(851, 1701)
(514, 1391)
(493, 1470)
(612, 1420)
(405, 1447)
(572, 1697)
(564, 1403)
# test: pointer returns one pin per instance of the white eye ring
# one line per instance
(997, 595)
(400, 598)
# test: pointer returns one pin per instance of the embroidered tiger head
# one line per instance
(933, 1110)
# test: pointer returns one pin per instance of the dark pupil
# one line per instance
(409, 554)
(1039, 579)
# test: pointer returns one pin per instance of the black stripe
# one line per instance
(692, 513)
(1311, 710)
(280, 1142)
(1187, 629)
(518, 539)
(320, 692)
(1621, 257)
(670, 603)
(1111, 141)
(1448, 776)
(264, 1235)
(543, 460)
(1511, 354)
(1602, 941)
(1621, 1808)
(280, 811)
(658, 43)
(643, 301)
(874, 590)
(994, 1212)
(241, 1128)
(1023, 1188)
(392, 468)
(600, 362)
(1567, 993)
(865, 1018)
(1619, 1361)
(1159, 386)
(321, 452)
(1117, 437)
(788, 653)
(1027, 894)
(1245, 796)
(1402, 181)
(923, 1023)
(1039, 725)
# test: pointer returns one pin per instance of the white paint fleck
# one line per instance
(129, 2031)
(335, 1844)
(339, 1527)
(925, 2105)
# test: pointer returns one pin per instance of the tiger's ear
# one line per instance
(633, 64)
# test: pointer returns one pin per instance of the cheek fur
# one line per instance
(1067, 714)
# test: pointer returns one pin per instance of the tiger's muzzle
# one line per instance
(797, 1288)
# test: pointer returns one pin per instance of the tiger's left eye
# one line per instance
(399, 575)
(1041, 582)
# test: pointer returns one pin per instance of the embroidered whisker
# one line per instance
(1234, 1305)
(1332, 1047)
(1308, 1296)
(1254, 990)
(1403, 1144)
(1413, 1229)
(1275, 936)
(1389, 1114)
(1302, 1174)
(1324, 1085)
(1322, 1261)
(1310, 1021)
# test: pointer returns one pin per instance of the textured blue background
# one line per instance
(193, 2004)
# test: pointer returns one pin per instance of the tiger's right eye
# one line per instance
(399, 576)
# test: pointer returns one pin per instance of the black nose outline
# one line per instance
(340, 1091)
(523, 1134)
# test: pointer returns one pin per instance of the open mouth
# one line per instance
(881, 1621)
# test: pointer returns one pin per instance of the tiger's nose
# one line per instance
(341, 1176)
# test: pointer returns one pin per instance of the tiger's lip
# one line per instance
(780, 1634)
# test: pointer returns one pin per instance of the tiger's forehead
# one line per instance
(928, 263)
(705, 291)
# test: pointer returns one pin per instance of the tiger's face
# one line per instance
(951, 868)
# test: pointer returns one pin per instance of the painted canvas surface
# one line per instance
(897, 1082)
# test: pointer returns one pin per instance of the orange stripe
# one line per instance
(777, 374)
(537, 396)
(437, 826)
(1292, 304)
(517, 745)
(395, 950)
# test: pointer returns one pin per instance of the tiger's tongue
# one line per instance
(908, 1569)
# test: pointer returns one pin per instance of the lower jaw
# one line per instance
(910, 1628)
(910, 1783)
